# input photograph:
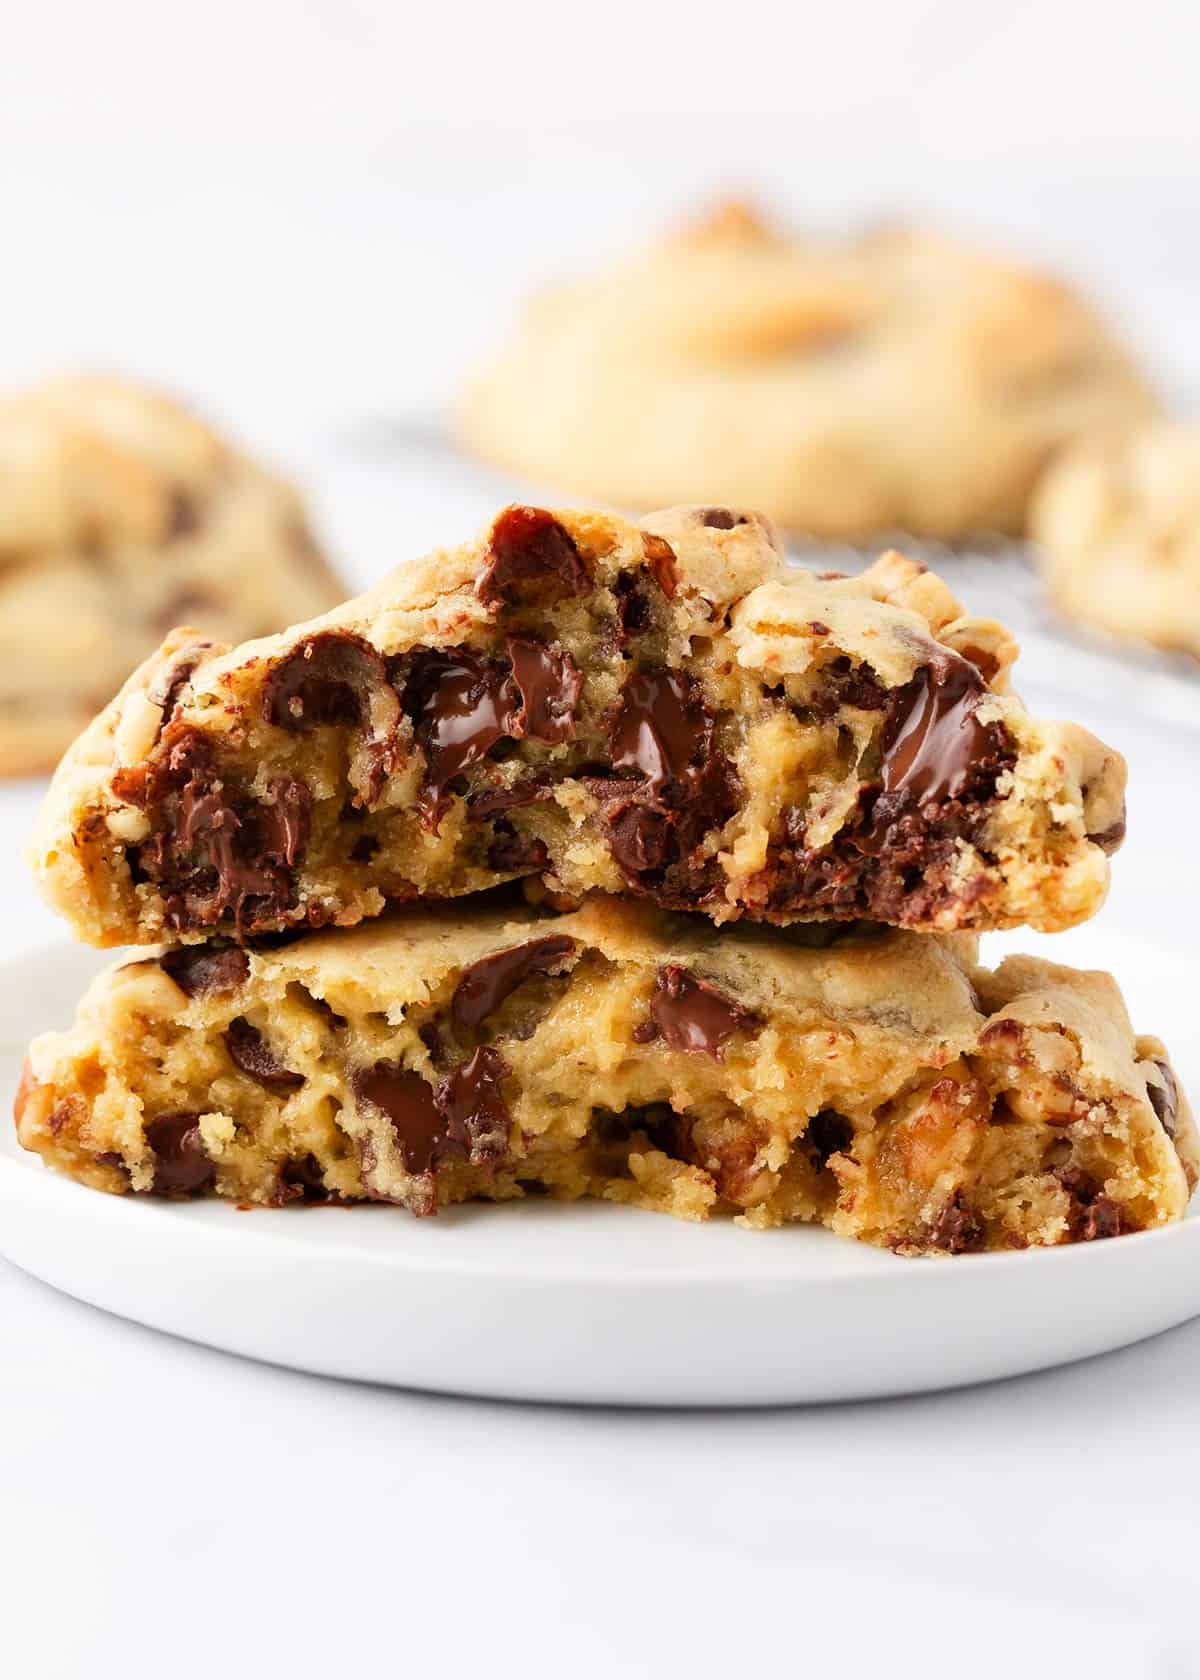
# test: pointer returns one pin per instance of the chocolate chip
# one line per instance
(932, 739)
(898, 860)
(661, 726)
(249, 1051)
(660, 557)
(843, 683)
(181, 1166)
(517, 854)
(528, 790)
(465, 1115)
(286, 822)
(531, 556)
(640, 837)
(1109, 839)
(692, 1014)
(461, 703)
(477, 1117)
(328, 678)
(721, 519)
(1102, 1218)
(411, 1106)
(829, 1133)
(549, 683)
(169, 681)
(1164, 1097)
(633, 606)
(957, 1228)
(818, 628)
(302, 1179)
(205, 971)
(216, 850)
(483, 987)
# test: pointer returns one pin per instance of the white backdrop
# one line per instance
(310, 217)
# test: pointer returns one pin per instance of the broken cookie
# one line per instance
(875, 1081)
(664, 710)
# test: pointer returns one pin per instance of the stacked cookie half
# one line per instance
(595, 858)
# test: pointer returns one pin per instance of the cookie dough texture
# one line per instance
(897, 381)
(882, 1083)
(122, 515)
(664, 710)
(1117, 520)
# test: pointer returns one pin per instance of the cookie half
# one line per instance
(122, 515)
(664, 710)
(900, 380)
(876, 1081)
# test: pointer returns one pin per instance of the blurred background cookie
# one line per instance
(121, 515)
(899, 380)
(1118, 523)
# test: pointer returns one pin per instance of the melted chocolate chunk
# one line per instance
(932, 740)
(328, 678)
(461, 703)
(640, 837)
(181, 1166)
(531, 557)
(250, 1052)
(897, 861)
(721, 519)
(477, 1117)
(466, 1115)
(549, 683)
(692, 1014)
(201, 971)
(529, 790)
(217, 851)
(661, 727)
(287, 821)
(411, 1105)
(957, 1228)
(1164, 1098)
(484, 986)
(829, 1133)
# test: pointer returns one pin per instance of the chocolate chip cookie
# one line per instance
(899, 380)
(1118, 524)
(122, 515)
(876, 1081)
(664, 710)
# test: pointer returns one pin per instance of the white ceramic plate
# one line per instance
(541, 1301)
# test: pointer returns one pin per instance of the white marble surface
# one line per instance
(246, 213)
